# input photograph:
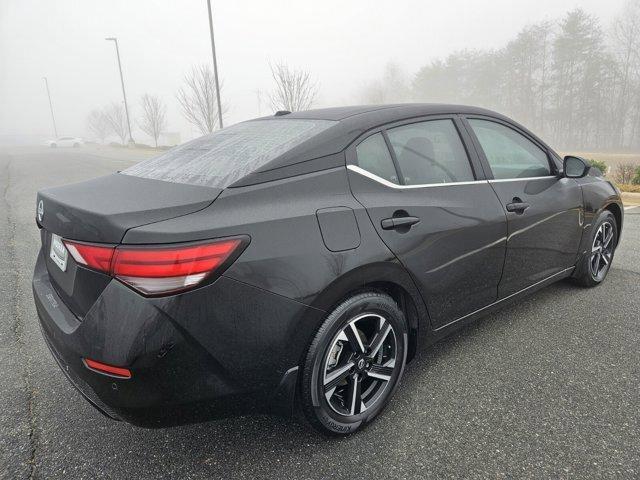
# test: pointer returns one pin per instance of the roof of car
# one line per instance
(399, 110)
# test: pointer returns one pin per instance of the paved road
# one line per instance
(549, 388)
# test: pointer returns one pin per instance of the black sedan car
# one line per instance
(296, 263)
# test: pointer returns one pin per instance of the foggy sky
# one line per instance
(342, 43)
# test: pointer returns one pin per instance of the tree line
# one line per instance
(573, 81)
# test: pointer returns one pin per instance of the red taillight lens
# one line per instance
(160, 270)
(97, 257)
(155, 270)
(171, 261)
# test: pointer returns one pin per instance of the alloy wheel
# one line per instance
(360, 364)
(601, 251)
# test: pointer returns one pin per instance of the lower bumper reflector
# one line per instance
(105, 369)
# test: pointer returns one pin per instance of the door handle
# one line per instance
(517, 207)
(397, 223)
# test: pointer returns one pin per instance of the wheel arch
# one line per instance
(387, 277)
(615, 209)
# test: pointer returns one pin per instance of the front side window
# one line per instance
(430, 152)
(373, 156)
(223, 157)
(509, 153)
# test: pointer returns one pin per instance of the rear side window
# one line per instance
(509, 153)
(373, 156)
(223, 157)
(430, 152)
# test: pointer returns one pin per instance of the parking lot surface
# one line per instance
(547, 388)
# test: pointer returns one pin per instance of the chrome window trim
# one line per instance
(387, 183)
(498, 180)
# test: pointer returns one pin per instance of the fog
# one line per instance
(346, 47)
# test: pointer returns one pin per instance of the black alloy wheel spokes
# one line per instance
(360, 363)
(601, 251)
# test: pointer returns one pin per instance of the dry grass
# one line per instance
(628, 188)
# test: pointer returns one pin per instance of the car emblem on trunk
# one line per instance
(40, 210)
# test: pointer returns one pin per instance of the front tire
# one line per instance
(595, 264)
(354, 363)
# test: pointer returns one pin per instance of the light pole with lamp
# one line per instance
(124, 95)
(53, 118)
(215, 64)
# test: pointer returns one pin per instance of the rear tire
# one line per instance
(594, 266)
(354, 364)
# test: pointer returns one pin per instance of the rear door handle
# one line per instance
(517, 207)
(398, 222)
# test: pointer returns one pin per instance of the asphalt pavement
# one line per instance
(547, 388)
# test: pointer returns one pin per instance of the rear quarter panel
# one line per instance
(287, 255)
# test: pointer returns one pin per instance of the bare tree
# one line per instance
(295, 89)
(117, 121)
(153, 121)
(198, 99)
(625, 172)
(393, 87)
(98, 124)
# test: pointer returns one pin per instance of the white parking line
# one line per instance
(631, 207)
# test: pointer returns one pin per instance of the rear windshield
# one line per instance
(223, 157)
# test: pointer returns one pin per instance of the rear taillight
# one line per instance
(97, 257)
(157, 270)
(166, 269)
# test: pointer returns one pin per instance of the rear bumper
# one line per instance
(223, 349)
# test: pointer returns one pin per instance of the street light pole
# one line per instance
(53, 118)
(215, 64)
(124, 95)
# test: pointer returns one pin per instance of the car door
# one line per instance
(544, 211)
(426, 195)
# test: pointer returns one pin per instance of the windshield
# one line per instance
(223, 157)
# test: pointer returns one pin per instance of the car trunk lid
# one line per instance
(102, 210)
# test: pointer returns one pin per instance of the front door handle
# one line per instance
(398, 223)
(517, 207)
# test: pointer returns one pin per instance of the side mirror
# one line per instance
(575, 167)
